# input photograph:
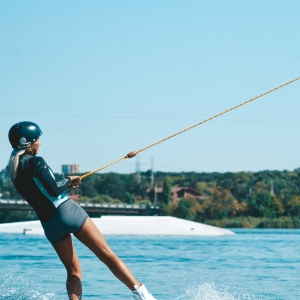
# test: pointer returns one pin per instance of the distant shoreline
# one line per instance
(238, 222)
(251, 222)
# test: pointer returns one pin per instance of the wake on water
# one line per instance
(14, 287)
(211, 291)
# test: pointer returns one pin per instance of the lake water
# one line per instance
(253, 264)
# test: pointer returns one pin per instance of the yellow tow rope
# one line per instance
(134, 153)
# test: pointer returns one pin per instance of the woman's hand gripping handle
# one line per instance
(74, 181)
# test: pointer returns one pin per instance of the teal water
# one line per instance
(253, 264)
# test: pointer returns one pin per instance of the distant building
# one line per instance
(178, 192)
(70, 169)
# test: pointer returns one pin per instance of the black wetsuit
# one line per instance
(36, 183)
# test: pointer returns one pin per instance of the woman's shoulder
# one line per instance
(37, 163)
(36, 159)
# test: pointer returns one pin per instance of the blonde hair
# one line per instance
(11, 169)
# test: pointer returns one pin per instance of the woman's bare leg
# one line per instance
(66, 252)
(90, 236)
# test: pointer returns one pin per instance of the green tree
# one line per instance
(294, 206)
(167, 193)
(112, 184)
(183, 210)
(87, 187)
(129, 199)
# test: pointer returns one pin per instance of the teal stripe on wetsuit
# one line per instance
(58, 200)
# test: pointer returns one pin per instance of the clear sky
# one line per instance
(103, 78)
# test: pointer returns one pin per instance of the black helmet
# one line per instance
(22, 134)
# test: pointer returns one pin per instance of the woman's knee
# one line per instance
(74, 270)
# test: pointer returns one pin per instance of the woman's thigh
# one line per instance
(67, 254)
(91, 236)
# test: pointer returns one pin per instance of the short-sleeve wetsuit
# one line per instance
(58, 214)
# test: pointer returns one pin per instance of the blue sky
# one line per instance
(103, 78)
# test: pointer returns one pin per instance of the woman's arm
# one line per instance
(45, 175)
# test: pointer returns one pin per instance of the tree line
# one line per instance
(266, 199)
